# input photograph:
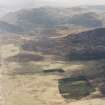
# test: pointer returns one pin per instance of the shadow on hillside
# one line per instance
(86, 55)
(25, 57)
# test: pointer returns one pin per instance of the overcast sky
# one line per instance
(18, 4)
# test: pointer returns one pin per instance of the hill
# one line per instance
(86, 45)
(9, 28)
(46, 17)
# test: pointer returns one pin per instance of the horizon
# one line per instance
(15, 5)
(21, 4)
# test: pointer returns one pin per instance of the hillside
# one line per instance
(53, 56)
(9, 28)
(47, 17)
(34, 72)
(86, 45)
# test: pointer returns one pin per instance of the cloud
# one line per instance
(68, 2)
(18, 4)
(13, 5)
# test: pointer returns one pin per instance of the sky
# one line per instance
(18, 4)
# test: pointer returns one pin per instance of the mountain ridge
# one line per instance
(54, 17)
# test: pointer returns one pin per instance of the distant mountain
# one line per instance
(9, 28)
(48, 17)
(30, 19)
(90, 19)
